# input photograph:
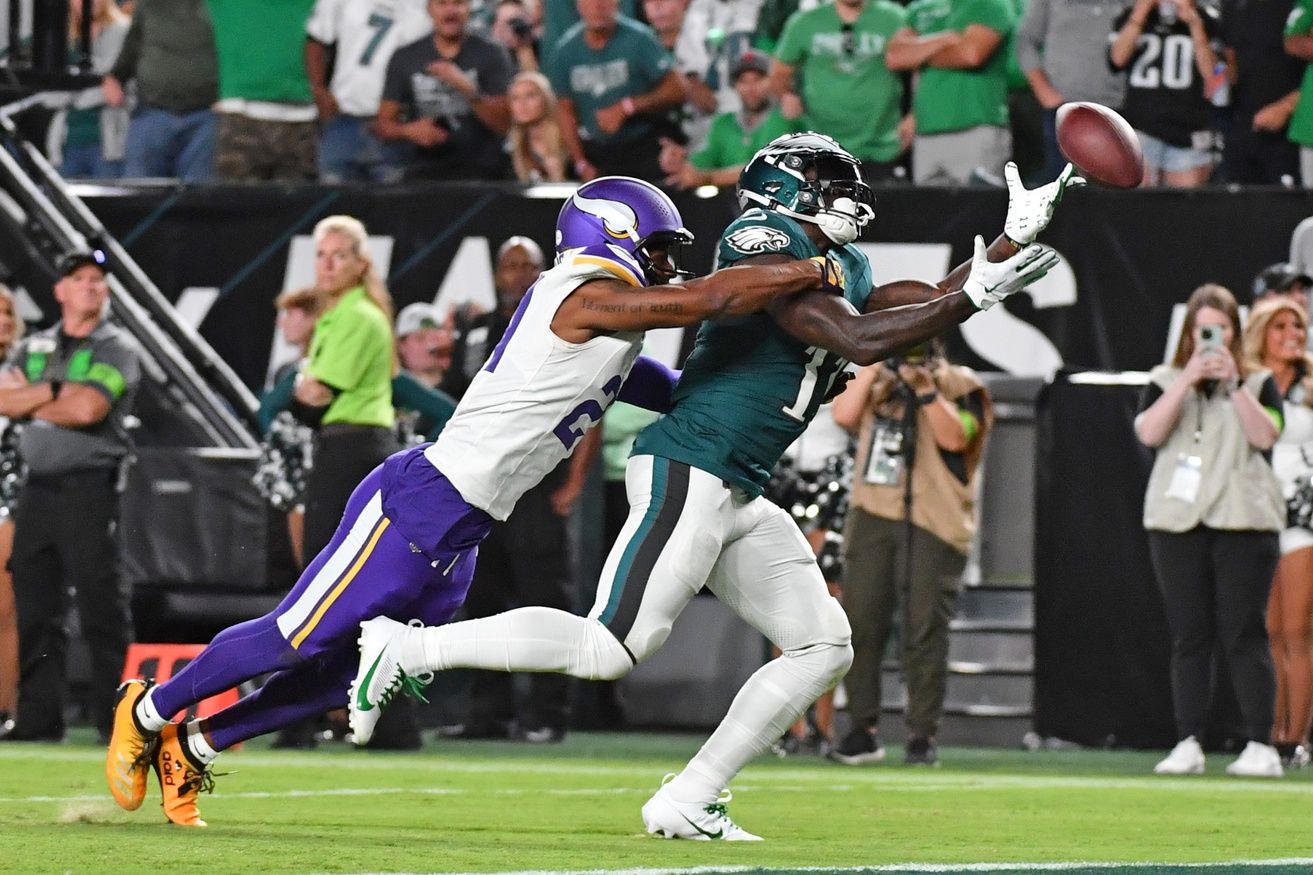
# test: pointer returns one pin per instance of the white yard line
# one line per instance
(905, 867)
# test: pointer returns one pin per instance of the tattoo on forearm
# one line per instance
(664, 307)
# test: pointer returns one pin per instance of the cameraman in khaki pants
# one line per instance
(921, 424)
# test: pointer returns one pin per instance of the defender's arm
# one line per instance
(613, 305)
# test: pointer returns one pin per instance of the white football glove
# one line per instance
(990, 282)
(1029, 210)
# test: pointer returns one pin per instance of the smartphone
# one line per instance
(1210, 338)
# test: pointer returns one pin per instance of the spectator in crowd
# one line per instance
(11, 331)
(613, 83)
(518, 262)
(538, 152)
(86, 137)
(424, 349)
(512, 26)
(1212, 509)
(687, 122)
(1276, 338)
(74, 383)
(345, 388)
(445, 98)
(960, 103)
(714, 35)
(298, 311)
(169, 51)
(558, 16)
(1062, 49)
(1283, 279)
(1299, 44)
(734, 136)
(1171, 50)
(921, 424)
(847, 89)
(1263, 95)
(360, 39)
(267, 114)
(526, 559)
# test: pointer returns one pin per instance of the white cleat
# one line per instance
(379, 677)
(1257, 760)
(1187, 758)
(668, 819)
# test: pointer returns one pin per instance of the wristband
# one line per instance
(927, 398)
(55, 386)
(627, 106)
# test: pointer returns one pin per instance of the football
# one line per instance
(1101, 144)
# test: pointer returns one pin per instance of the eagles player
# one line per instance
(696, 475)
(409, 537)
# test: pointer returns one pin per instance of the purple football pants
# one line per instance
(370, 568)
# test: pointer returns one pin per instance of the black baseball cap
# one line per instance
(70, 262)
(1280, 277)
(749, 60)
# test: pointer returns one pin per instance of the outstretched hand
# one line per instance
(990, 282)
(1029, 210)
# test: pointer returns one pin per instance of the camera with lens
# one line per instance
(520, 27)
(914, 356)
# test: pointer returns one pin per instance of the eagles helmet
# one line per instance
(812, 178)
(623, 214)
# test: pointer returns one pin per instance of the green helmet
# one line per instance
(812, 178)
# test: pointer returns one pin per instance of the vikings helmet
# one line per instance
(622, 213)
(812, 178)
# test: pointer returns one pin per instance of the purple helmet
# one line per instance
(621, 212)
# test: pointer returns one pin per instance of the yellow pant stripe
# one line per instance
(341, 584)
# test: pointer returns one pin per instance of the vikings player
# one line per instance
(407, 543)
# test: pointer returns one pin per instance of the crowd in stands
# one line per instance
(680, 92)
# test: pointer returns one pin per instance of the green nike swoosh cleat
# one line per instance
(668, 818)
(380, 676)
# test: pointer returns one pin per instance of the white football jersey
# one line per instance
(366, 33)
(537, 395)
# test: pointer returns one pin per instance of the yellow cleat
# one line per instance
(181, 780)
(130, 748)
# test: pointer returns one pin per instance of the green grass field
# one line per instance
(487, 807)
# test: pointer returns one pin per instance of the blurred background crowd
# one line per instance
(678, 92)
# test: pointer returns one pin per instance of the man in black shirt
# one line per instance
(445, 97)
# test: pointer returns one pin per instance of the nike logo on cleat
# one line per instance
(362, 698)
(711, 835)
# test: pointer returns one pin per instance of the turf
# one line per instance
(488, 807)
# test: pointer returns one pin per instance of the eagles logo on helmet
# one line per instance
(810, 177)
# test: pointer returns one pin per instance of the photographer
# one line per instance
(921, 424)
(512, 26)
(1213, 509)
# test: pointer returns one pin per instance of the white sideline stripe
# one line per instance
(819, 778)
(897, 867)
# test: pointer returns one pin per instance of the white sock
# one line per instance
(525, 639)
(768, 703)
(147, 715)
(198, 745)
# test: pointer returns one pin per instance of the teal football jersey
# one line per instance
(749, 389)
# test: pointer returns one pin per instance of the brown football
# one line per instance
(1101, 143)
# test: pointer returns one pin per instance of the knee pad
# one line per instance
(604, 658)
(825, 663)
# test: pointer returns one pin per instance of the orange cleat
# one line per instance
(130, 748)
(181, 779)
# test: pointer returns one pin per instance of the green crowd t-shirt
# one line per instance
(630, 64)
(1301, 123)
(352, 353)
(955, 100)
(261, 48)
(848, 91)
(729, 144)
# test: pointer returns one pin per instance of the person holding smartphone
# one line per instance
(1213, 509)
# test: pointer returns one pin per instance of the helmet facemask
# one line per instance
(841, 202)
(668, 247)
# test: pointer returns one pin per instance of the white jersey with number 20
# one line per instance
(537, 395)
